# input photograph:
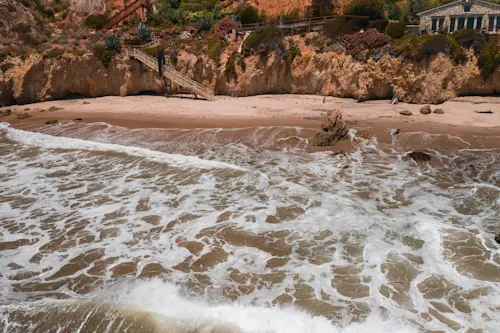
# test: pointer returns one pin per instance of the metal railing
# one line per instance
(171, 74)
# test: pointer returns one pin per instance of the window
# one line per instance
(467, 8)
(441, 23)
(479, 22)
(461, 23)
(498, 23)
(491, 23)
(434, 25)
(470, 22)
(452, 24)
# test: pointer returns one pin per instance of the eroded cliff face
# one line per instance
(329, 74)
(38, 79)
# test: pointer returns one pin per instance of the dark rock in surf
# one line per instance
(497, 238)
(405, 113)
(51, 122)
(78, 119)
(333, 129)
(438, 111)
(419, 156)
(426, 109)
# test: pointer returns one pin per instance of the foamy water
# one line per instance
(245, 230)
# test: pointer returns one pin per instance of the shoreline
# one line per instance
(306, 111)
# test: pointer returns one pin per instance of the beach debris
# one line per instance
(324, 99)
(405, 113)
(54, 108)
(26, 109)
(24, 115)
(483, 111)
(5, 113)
(78, 119)
(333, 129)
(438, 111)
(497, 238)
(51, 122)
(85, 102)
(395, 99)
(419, 156)
(426, 109)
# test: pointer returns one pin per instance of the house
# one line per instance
(463, 14)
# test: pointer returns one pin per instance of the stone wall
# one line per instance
(457, 9)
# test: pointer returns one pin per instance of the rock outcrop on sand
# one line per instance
(332, 74)
(333, 129)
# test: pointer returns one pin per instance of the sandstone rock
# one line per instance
(419, 156)
(24, 115)
(333, 129)
(439, 111)
(426, 109)
(51, 122)
(405, 113)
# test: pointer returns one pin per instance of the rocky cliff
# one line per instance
(333, 74)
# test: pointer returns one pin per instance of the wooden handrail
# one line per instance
(171, 73)
(123, 14)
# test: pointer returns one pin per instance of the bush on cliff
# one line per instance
(374, 9)
(144, 33)
(101, 51)
(113, 44)
(370, 39)
(395, 29)
(95, 21)
(420, 47)
(249, 14)
(471, 39)
(380, 25)
(264, 40)
(343, 25)
(489, 59)
(224, 27)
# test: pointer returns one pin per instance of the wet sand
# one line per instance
(306, 111)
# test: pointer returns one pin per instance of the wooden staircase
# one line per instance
(174, 76)
(124, 13)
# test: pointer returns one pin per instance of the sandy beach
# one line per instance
(461, 114)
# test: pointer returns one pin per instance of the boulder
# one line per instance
(333, 129)
(419, 156)
(497, 238)
(426, 109)
(439, 111)
(405, 113)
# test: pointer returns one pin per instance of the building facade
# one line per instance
(463, 14)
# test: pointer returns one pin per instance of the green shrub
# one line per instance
(21, 28)
(374, 9)
(471, 38)
(420, 47)
(231, 66)
(395, 29)
(293, 50)
(100, 51)
(78, 53)
(380, 25)
(144, 33)
(489, 59)
(249, 14)
(95, 21)
(58, 6)
(215, 48)
(53, 53)
(204, 24)
(264, 40)
(344, 25)
(113, 43)
(321, 8)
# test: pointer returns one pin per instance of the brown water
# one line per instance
(106, 229)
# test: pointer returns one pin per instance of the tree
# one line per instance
(322, 7)
(249, 14)
(374, 9)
